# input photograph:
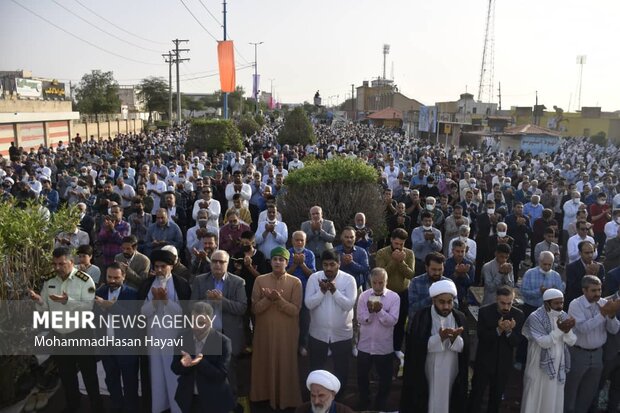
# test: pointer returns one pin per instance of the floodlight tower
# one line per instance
(487, 68)
(581, 60)
(386, 51)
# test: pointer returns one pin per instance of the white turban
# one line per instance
(552, 294)
(170, 248)
(323, 378)
(442, 287)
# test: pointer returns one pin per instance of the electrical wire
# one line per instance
(117, 26)
(84, 40)
(198, 21)
(216, 74)
(211, 14)
(104, 31)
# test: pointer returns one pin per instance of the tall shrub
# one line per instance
(297, 129)
(341, 186)
(213, 134)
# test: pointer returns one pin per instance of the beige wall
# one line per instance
(50, 133)
(12, 106)
(105, 129)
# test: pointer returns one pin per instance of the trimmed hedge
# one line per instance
(213, 134)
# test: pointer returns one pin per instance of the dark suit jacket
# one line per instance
(180, 218)
(415, 385)
(210, 376)
(87, 224)
(126, 304)
(494, 353)
(234, 305)
(574, 273)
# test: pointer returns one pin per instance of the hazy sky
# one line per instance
(436, 46)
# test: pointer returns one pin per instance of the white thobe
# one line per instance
(442, 363)
(163, 380)
(540, 393)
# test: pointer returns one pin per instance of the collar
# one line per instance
(224, 277)
(588, 304)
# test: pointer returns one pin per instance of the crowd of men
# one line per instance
(162, 225)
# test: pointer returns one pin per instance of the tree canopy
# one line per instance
(297, 129)
(154, 92)
(214, 134)
(97, 93)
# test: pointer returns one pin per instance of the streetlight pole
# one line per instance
(255, 44)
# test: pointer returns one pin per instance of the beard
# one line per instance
(317, 408)
(443, 313)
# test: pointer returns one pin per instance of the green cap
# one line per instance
(280, 252)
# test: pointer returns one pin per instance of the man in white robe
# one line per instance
(436, 357)
(162, 295)
(549, 332)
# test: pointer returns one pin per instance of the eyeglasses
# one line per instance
(218, 261)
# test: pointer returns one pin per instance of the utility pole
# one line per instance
(177, 60)
(225, 94)
(169, 61)
(256, 73)
(500, 95)
(536, 110)
(353, 101)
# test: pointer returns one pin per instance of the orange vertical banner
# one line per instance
(226, 58)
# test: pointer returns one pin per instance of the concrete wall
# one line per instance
(105, 129)
(50, 133)
(18, 105)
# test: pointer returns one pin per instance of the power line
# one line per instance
(117, 26)
(210, 14)
(198, 21)
(83, 40)
(104, 31)
(216, 74)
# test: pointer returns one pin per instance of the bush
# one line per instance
(599, 139)
(213, 134)
(260, 119)
(248, 126)
(297, 129)
(342, 187)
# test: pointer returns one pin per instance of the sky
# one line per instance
(309, 45)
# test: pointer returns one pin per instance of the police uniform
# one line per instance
(80, 289)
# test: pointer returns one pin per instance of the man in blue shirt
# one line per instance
(353, 260)
(302, 264)
(460, 270)
(419, 296)
(425, 239)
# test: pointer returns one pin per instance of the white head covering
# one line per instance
(170, 248)
(442, 287)
(552, 294)
(323, 378)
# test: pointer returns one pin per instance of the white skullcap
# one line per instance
(323, 378)
(552, 294)
(171, 248)
(442, 287)
(10, 180)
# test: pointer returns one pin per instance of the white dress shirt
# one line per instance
(573, 247)
(331, 315)
(591, 327)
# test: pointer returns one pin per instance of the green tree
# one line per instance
(599, 139)
(154, 92)
(191, 104)
(336, 185)
(297, 129)
(98, 93)
(213, 135)
(248, 126)
(260, 119)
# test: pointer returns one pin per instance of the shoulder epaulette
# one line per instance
(82, 275)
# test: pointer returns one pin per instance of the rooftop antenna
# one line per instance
(581, 60)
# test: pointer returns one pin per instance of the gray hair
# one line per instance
(589, 280)
(378, 271)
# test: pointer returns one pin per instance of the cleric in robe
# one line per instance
(549, 332)
(436, 356)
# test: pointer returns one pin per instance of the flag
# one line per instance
(226, 59)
